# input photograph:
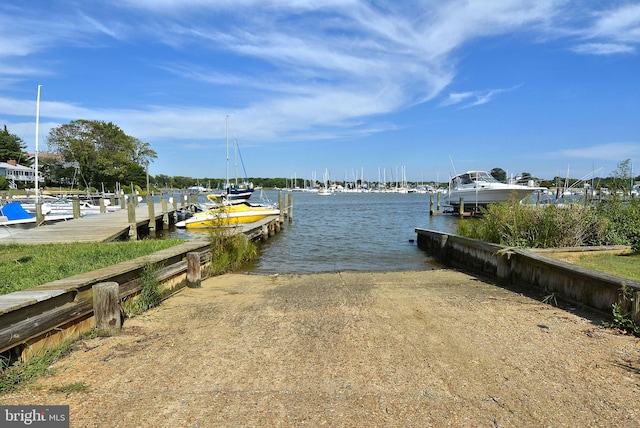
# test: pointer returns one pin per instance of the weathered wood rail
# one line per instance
(513, 266)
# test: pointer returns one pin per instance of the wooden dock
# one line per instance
(126, 223)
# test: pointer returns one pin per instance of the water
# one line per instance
(350, 232)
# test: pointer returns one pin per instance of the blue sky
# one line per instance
(538, 86)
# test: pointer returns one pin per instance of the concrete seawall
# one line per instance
(513, 266)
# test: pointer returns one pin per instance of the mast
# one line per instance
(227, 177)
(37, 128)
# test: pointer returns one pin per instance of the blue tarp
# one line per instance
(14, 211)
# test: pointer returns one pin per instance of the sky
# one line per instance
(384, 88)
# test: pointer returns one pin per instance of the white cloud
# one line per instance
(473, 98)
(604, 48)
(607, 151)
(613, 31)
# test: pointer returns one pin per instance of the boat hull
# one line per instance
(488, 195)
(231, 215)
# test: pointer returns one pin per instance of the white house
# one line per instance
(15, 173)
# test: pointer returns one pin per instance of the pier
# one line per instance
(127, 223)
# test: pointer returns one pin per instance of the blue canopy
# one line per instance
(15, 211)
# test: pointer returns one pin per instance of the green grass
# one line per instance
(25, 266)
(624, 265)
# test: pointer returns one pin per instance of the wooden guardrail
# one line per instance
(40, 317)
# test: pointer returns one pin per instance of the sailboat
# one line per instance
(236, 191)
(230, 208)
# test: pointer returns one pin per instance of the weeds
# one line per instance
(547, 226)
(229, 251)
(622, 321)
(16, 373)
(150, 294)
(550, 299)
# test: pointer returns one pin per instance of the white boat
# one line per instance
(64, 206)
(14, 218)
(478, 188)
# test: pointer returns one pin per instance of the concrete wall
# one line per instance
(523, 267)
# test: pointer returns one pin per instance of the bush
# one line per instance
(536, 226)
(229, 251)
(623, 222)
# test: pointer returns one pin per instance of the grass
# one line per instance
(624, 265)
(25, 266)
(19, 373)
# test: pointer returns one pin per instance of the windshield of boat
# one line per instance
(474, 177)
(483, 176)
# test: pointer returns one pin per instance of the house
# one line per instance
(17, 174)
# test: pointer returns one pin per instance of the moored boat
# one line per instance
(478, 188)
(229, 215)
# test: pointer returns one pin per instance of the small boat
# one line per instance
(229, 215)
(64, 206)
(478, 188)
(14, 218)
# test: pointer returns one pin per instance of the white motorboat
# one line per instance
(478, 188)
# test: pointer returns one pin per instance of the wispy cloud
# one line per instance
(313, 65)
(604, 48)
(608, 152)
(612, 31)
(473, 98)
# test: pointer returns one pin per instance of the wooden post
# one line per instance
(39, 215)
(175, 208)
(193, 270)
(438, 201)
(123, 202)
(106, 308)
(461, 207)
(76, 208)
(430, 204)
(290, 207)
(133, 227)
(152, 214)
(103, 207)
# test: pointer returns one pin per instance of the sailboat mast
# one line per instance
(235, 159)
(36, 152)
(227, 176)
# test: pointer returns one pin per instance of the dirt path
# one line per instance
(433, 348)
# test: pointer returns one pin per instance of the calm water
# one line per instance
(349, 232)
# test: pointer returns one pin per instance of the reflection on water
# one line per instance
(349, 232)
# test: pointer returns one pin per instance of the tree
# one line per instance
(499, 174)
(103, 152)
(622, 176)
(12, 147)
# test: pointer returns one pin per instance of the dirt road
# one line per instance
(434, 348)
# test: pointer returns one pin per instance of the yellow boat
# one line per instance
(229, 215)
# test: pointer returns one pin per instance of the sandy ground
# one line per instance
(433, 348)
